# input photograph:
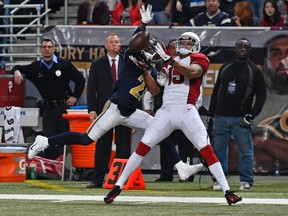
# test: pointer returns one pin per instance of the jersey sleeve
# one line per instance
(201, 59)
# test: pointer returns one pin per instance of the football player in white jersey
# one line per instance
(184, 75)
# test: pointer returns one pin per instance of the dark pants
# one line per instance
(53, 124)
(103, 151)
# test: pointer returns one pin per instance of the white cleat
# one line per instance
(187, 170)
(40, 144)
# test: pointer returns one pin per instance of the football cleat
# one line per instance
(111, 195)
(232, 198)
(187, 170)
(40, 144)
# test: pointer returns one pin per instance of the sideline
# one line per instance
(144, 199)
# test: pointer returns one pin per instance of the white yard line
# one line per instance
(153, 199)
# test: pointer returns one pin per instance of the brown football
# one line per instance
(139, 41)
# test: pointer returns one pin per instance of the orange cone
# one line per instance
(135, 181)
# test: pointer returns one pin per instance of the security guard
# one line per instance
(51, 76)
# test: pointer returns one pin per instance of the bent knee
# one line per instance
(86, 140)
(202, 143)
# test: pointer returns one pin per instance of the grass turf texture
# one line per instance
(265, 187)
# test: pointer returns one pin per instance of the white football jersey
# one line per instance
(180, 89)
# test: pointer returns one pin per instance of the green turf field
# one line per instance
(155, 200)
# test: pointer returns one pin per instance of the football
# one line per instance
(139, 41)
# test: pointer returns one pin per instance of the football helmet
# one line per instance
(184, 39)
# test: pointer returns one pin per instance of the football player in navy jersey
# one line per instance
(120, 109)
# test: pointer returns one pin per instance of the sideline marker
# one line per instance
(134, 182)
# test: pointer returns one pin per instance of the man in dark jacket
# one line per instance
(238, 97)
(51, 76)
(99, 90)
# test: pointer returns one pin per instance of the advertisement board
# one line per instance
(82, 44)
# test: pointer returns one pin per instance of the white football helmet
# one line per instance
(181, 48)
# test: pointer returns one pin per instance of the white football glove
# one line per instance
(162, 53)
(161, 78)
(148, 56)
(146, 15)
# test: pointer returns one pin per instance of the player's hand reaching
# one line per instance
(146, 14)
(163, 55)
(140, 63)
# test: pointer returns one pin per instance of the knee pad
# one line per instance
(142, 149)
(86, 140)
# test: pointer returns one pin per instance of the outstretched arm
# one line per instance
(151, 83)
(146, 16)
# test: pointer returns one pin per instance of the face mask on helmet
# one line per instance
(188, 42)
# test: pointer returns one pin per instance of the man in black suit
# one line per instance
(102, 76)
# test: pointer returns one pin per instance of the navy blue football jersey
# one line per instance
(130, 87)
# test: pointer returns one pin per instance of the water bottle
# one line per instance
(277, 172)
(33, 174)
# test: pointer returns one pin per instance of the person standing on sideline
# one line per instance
(51, 76)
(121, 108)
(238, 97)
(102, 75)
(184, 73)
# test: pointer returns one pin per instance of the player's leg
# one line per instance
(108, 119)
(157, 130)
(197, 134)
(150, 137)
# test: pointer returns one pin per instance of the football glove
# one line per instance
(146, 14)
(161, 78)
(246, 121)
(149, 57)
(140, 63)
(159, 50)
